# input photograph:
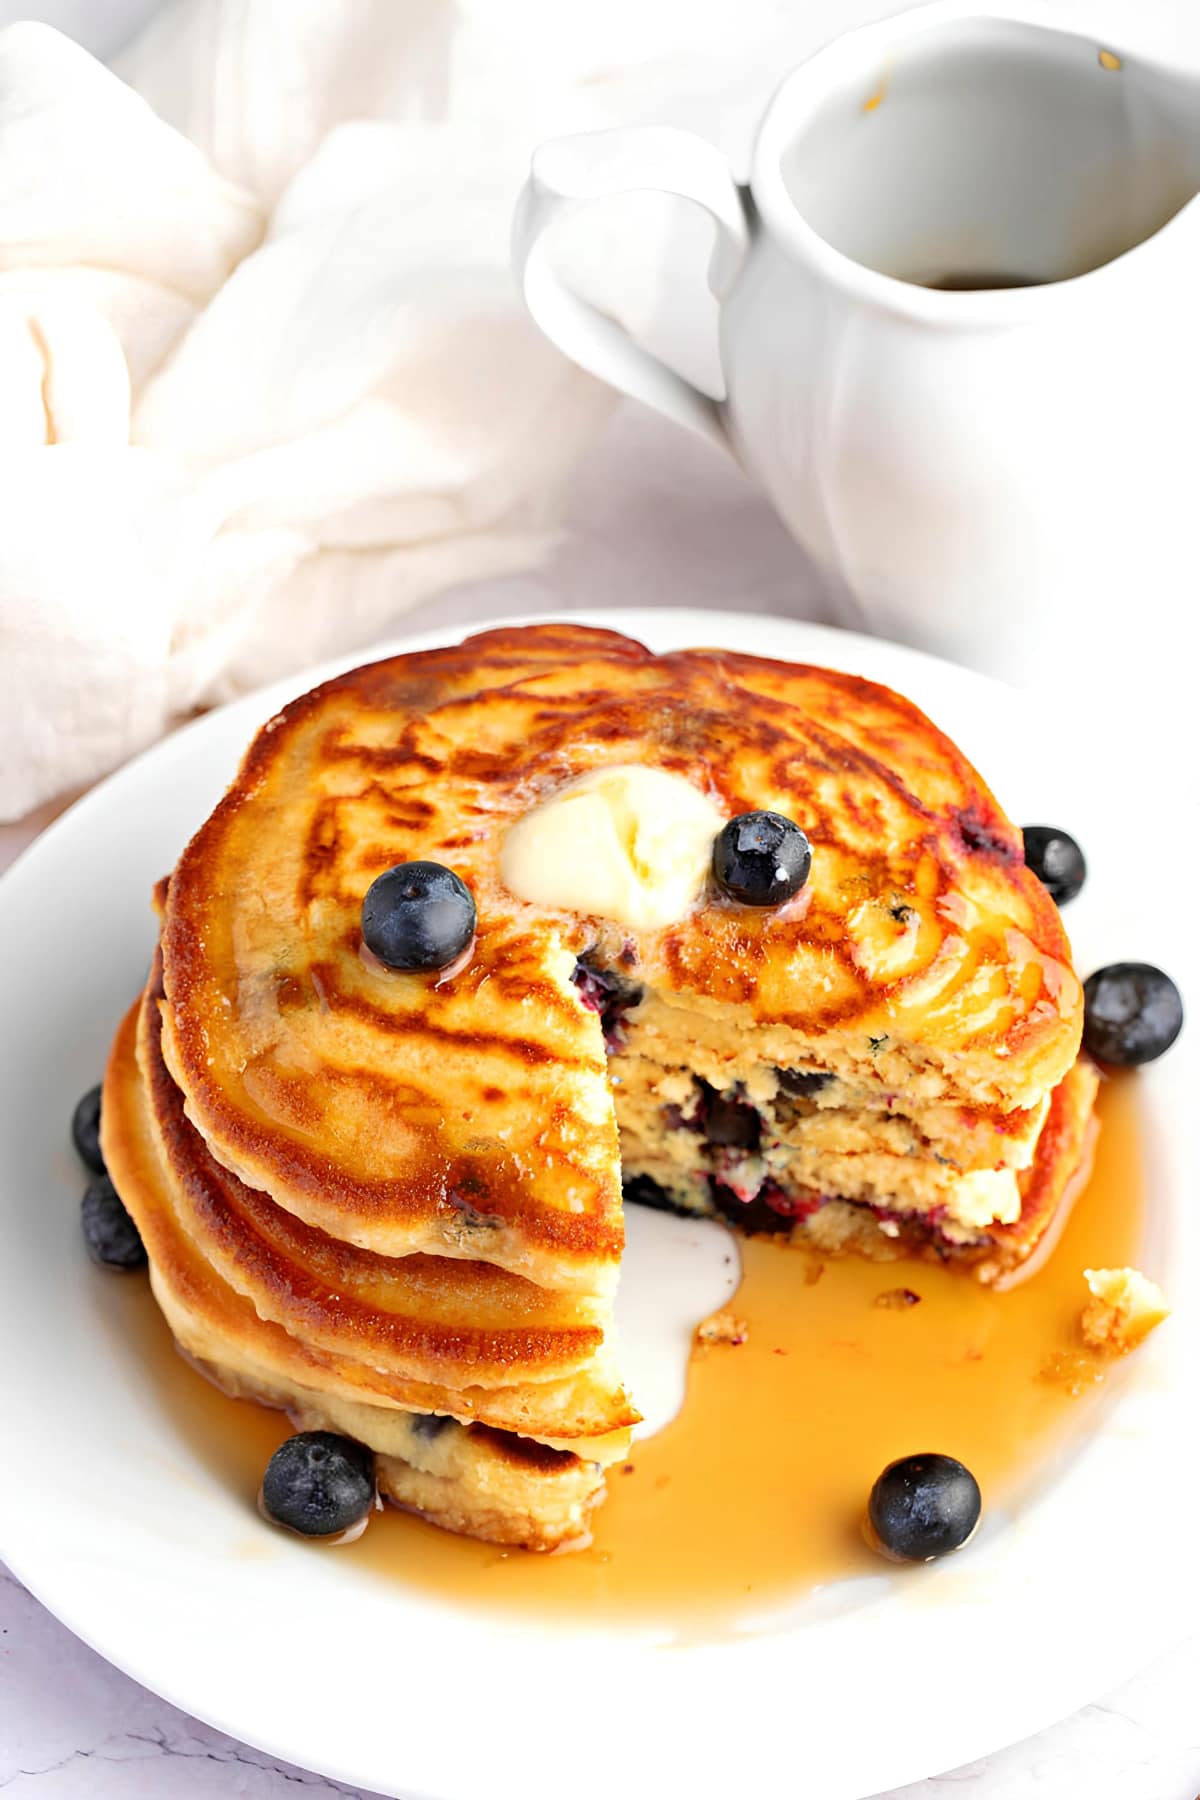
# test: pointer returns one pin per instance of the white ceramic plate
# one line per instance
(110, 1516)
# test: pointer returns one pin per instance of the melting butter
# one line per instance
(626, 843)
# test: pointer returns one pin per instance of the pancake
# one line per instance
(927, 963)
(366, 1189)
(423, 1331)
(467, 1477)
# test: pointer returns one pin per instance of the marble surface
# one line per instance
(656, 520)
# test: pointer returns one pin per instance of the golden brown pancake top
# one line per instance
(470, 1115)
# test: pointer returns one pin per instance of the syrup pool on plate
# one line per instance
(755, 1492)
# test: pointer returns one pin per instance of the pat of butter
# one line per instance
(626, 843)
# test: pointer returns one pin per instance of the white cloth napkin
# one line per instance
(262, 387)
(265, 381)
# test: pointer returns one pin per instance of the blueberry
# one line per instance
(319, 1484)
(643, 1190)
(1132, 1012)
(761, 858)
(804, 1083)
(418, 915)
(428, 1426)
(756, 1217)
(728, 1121)
(85, 1130)
(924, 1506)
(112, 1238)
(1056, 860)
(611, 995)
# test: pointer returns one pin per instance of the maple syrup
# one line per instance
(756, 1491)
(974, 281)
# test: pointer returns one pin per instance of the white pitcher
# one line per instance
(1010, 474)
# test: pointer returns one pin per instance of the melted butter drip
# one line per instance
(755, 1492)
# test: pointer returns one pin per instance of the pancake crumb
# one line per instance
(723, 1328)
(1124, 1309)
(897, 1299)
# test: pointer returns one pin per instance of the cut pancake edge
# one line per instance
(831, 1223)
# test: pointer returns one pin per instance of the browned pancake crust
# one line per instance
(470, 1117)
(422, 1317)
(336, 1350)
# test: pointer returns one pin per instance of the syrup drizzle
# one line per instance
(755, 1493)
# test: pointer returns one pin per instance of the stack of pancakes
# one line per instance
(392, 1202)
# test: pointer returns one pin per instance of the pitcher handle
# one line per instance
(566, 175)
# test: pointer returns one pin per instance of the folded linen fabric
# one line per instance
(248, 420)
(266, 383)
